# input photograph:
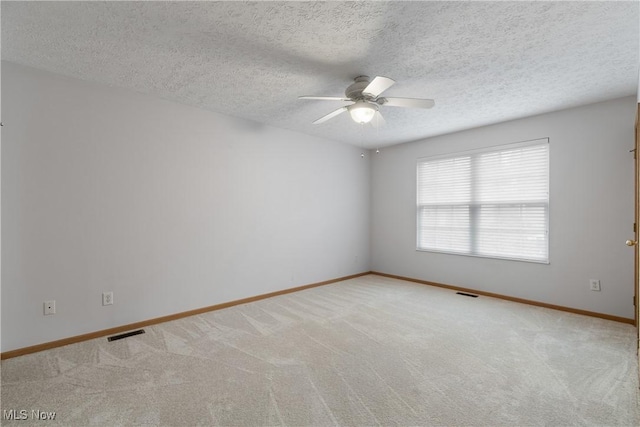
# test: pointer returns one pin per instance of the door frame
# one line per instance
(636, 269)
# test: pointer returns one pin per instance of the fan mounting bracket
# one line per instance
(354, 91)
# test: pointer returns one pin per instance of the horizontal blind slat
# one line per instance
(489, 203)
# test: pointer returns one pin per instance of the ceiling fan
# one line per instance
(366, 99)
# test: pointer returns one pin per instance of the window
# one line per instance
(491, 203)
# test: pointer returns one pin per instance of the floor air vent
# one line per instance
(126, 335)
(467, 295)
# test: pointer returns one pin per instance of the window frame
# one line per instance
(475, 206)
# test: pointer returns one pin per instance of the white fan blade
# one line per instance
(378, 121)
(408, 102)
(377, 86)
(325, 98)
(330, 115)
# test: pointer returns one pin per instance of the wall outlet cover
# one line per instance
(107, 298)
(49, 307)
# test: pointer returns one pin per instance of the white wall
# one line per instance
(591, 211)
(0, 213)
(170, 207)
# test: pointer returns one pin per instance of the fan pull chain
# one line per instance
(378, 131)
(362, 139)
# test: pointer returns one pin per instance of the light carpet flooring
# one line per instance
(363, 352)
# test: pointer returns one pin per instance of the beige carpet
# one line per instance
(368, 351)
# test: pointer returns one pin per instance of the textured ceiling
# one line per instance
(482, 62)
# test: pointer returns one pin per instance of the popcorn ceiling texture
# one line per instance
(483, 62)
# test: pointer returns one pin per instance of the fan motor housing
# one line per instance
(354, 91)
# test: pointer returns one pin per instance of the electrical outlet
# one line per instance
(594, 284)
(49, 307)
(107, 298)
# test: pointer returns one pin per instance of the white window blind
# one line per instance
(492, 203)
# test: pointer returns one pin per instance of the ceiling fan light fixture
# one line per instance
(362, 112)
(366, 99)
